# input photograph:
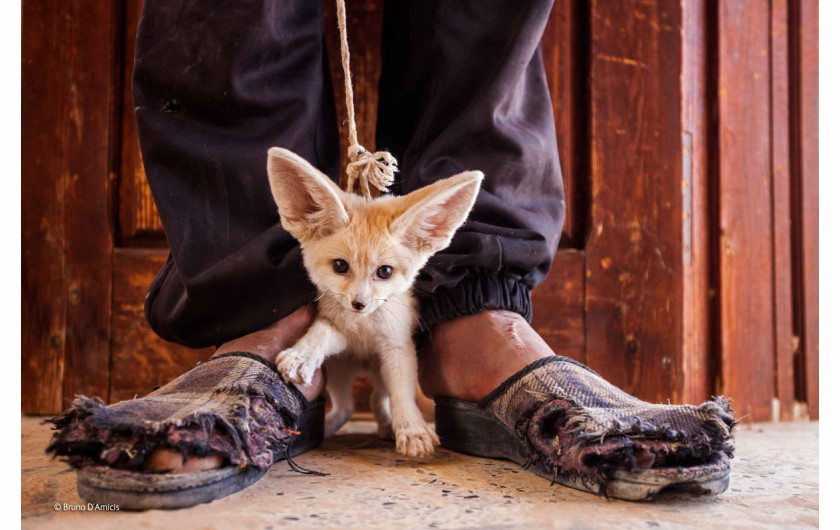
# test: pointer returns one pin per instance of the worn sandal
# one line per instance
(236, 405)
(571, 426)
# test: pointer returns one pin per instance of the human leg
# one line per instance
(472, 95)
(463, 88)
(214, 87)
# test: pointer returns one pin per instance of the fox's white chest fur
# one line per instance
(370, 339)
(368, 334)
(363, 257)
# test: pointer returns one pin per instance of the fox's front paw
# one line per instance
(297, 366)
(416, 440)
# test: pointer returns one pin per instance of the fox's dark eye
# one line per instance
(340, 266)
(384, 272)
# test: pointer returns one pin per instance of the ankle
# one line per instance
(467, 357)
(273, 339)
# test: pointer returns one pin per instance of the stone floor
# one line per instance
(774, 483)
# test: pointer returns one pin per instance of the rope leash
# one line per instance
(368, 168)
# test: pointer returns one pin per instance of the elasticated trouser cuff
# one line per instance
(474, 295)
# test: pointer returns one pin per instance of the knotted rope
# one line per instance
(368, 168)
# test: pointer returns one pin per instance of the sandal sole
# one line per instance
(466, 428)
(144, 491)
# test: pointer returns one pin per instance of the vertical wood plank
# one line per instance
(364, 36)
(809, 187)
(782, 258)
(68, 67)
(88, 218)
(745, 180)
(44, 137)
(634, 251)
(563, 48)
(696, 380)
(140, 359)
(138, 218)
(558, 306)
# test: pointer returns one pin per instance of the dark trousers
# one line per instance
(462, 88)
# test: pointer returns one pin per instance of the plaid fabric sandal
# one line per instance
(235, 405)
(571, 426)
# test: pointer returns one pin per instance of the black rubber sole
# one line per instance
(145, 491)
(467, 428)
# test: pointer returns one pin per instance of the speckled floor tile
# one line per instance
(370, 486)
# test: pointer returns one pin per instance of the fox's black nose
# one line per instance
(358, 306)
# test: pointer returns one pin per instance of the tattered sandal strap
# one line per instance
(602, 409)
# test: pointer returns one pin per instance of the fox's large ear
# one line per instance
(431, 215)
(309, 203)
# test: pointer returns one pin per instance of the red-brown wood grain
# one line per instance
(687, 133)
(140, 360)
(697, 369)
(633, 253)
(746, 226)
(69, 71)
(139, 223)
(44, 174)
(781, 204)
(88, 216)
(563, 44)
(808, 168)
(364, 37)
(558, 306)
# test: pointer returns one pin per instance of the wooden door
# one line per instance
(688, 139)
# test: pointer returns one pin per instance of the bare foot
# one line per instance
(266, 343)
(468, 357)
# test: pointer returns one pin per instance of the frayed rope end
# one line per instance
(377, 169)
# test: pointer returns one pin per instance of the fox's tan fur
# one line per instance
(400, 232)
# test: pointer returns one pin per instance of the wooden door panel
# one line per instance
(558, 306)
(781, 209)
(687, 134)
(745, 229)
(633, 251)
(805, 121)
(564, 56)
(697, 362)
(44, 128)
(364, 37)
(137, 216)
(140, 360)
(68, 72)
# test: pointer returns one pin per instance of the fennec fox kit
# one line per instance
(363, 256)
